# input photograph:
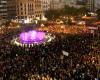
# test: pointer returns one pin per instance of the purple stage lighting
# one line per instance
(32, 36)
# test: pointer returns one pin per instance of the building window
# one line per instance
(21, 13)
(20, 4)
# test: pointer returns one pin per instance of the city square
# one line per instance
(50, 40)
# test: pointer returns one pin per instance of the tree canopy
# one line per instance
(52, 14)
(67, 11)
(98, 13)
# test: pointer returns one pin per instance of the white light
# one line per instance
(42, 25)
(38, 18)
(36, 21)
(27, 21)
(44, 18)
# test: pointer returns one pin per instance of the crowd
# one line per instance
(47, 62)
(74, 29)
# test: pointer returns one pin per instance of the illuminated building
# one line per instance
(28, 9)
(20, 9)
(3, 8)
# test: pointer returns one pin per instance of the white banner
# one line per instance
(65, 53)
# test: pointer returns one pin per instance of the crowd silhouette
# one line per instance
(47, 62)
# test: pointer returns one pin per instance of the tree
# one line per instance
(83, 11)
(98, 14)
(70, 11)
(53, 14)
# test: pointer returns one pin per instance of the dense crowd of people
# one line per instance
(47, 62)
(61, 28)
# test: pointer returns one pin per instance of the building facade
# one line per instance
(90, 4)
(20, 9)
(24, 9)
(38, 10)
(73, 3)
(97, 4)
(57, 4)
(45, 5)
(28, 9)
(3, 8)
(52, 4)
(11, 9)
(7, 9)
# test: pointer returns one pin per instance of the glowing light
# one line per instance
(24, 36)
(32, 36)
(40, 35)
(27, 21)
(40, 38)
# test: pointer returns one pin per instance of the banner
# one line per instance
(65, 53)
